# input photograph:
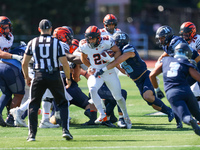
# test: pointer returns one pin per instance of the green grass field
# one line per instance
(148, 131)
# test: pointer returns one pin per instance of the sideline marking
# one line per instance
(102, 147)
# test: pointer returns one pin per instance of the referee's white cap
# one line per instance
(45, 24)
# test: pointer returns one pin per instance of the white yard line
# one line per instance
(114, 147)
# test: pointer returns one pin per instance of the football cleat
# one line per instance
(100, 119)
(17, 113)
(108, 124)
(170, 115)
(195, 126)
(128, 123)
(10, 121)
(121, 123)
(88, 123)
(179, 125)
(47, 124)
(67, 135)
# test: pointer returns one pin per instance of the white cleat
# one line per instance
(128, 123)
(47, 124)
(102, 118)
(20, 123)
(121, 123)
(17, 113)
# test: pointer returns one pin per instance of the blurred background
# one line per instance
(139, 18)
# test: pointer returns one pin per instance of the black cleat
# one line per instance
(10, 121)
(170, 115)
(88, 123)
(179, 125)
(195, 126)
(67, 135)
(2, 122)
(108, 124)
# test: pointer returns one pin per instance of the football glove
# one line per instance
(159, 94)
(17, 57)
(98, 73)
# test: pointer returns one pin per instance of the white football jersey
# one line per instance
(195, 43)
(5, 44)
(94, 54)
(105, 32)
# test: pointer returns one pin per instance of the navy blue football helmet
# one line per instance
(121, 39)
(183, 49)
(164, 31)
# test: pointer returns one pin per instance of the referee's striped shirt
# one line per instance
(45, 51)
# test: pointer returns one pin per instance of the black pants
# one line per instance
(54, 83)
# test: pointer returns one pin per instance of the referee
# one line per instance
(47, 53)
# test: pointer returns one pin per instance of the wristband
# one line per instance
(157, 89)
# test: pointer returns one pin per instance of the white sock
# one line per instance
(46, 110)
(122, 104)
(97, 102)
(24, 107)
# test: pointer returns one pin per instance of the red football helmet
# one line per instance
(63, 34)
(4, 21)
(74, 46)
(190, 28)
(93, 32)
(110, 19)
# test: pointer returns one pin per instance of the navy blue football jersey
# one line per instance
(135, 66)
(173, 43)
(175, 71)
(19, 51)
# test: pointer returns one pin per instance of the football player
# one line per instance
(110, 28)
(91, 47)
(168, 41)
(110, 25)
(137, 70)
(175, 71)
(188, 33)
(6, 41)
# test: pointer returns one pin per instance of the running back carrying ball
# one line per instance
(109, 52)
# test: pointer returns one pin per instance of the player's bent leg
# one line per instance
(157, 104)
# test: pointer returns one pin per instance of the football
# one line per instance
(109, 52)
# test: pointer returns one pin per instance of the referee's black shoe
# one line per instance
(67, 135)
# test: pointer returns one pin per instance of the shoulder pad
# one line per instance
(128, 48)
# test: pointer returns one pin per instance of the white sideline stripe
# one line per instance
(103, 147)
